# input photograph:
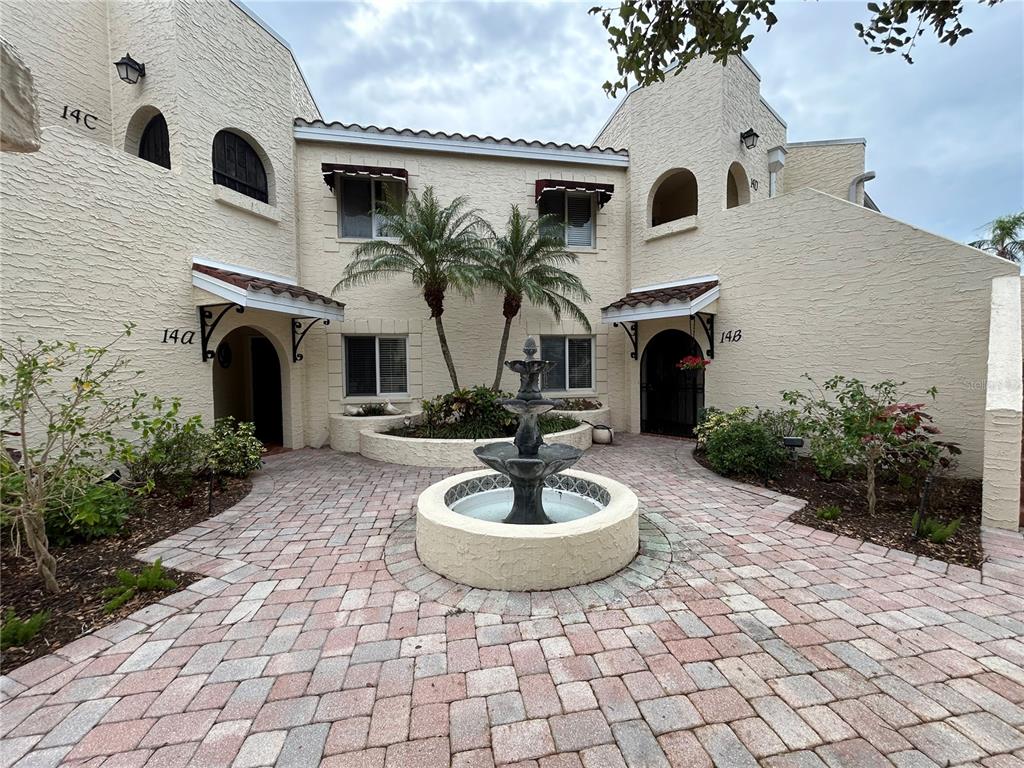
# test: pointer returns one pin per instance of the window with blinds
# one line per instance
(574, 362)
(361, 206)
(376, 365)
(575, 212)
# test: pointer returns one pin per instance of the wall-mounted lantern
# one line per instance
(130, 70)
(749, 138)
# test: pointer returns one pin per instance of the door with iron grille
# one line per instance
(670, 399)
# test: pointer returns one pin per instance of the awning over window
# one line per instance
(679, 299)
(257, 291)
(602, 191)
(332, 170)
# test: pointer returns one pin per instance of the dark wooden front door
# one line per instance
(670, 399)
(266, 391)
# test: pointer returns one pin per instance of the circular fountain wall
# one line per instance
(459, 533)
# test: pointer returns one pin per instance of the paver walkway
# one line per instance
(736, 639)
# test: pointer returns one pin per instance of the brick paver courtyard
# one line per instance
(735, 639)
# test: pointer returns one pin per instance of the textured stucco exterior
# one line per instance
(524, 558)
(95, 237)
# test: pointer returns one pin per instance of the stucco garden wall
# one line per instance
(473, 325)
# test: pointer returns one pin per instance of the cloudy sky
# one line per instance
(945, 135)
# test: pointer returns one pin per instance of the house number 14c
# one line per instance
(731, 336)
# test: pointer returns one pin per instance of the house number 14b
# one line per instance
(731, 336)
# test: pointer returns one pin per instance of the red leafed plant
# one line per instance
(693, 363)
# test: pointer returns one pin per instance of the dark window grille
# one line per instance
(154, 145)
(237, 166)
(360, 365)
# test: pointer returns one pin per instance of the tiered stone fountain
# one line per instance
(534, 524)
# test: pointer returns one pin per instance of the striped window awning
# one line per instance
(602, 191)
(332, 170)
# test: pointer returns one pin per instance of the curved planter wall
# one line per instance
(526, 558)
(426, 452)
(345, 429)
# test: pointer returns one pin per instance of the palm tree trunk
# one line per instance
(446, 351)
(502, 349)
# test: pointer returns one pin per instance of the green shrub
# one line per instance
(744, 448)
(933, 529)
(92, 512)
(234, 450)
(373, 409)
(829, 455)
(475, 414)
(782, 422)
(712, 420)
(828, 512)
(149, 579)
(15, 632)
(579, 404)
(172, 451)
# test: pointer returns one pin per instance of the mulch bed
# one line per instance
(84, 570)
(890, 526)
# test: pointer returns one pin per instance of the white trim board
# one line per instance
(676, 283)
(270, 302)
(660, 310)
(457, 146)
(243, 270)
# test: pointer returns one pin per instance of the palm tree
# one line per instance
(440, 246)
(1005, 237)
(526, 263)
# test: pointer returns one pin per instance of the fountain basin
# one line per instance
(482, 553)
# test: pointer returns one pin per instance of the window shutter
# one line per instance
(355, 208)
(553, 348)
(360, 365)
(552, 203)
(581, 371)
(579, 229)
(154, 144)
(237, 166)
(393, 379)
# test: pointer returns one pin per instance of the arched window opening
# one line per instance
(237, 166)
(737, 188)
(155, 145)
(675, 198)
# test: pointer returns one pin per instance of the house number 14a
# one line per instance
(177, 336)
(731, 336)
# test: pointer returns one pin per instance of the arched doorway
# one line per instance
(670, 399)
(247, 383)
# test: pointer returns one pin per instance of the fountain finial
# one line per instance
(530, 348)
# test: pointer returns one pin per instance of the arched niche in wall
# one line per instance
(737, 186)
(239, 163)
(673, 196)
(147, 136)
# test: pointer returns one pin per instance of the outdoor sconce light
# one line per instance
(130, 70)
(749, 138)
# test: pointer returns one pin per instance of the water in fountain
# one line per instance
(528, 461)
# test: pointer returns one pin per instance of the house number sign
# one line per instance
(178, 336)
(731, 336)
(89, 121)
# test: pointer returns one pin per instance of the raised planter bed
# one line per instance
(345, 429)
(432, 452)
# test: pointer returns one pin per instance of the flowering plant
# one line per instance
(693, 363)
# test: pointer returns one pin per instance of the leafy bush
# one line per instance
(92, 512)
(373, 409)
(234, 450)
(712, 420)
(741, 447)
(579, 404)
(782, 422)
(149, 579)
(15, 632)
(173, 451)
(829, 455)
(474, 414)
(933, 529)
(828, 512)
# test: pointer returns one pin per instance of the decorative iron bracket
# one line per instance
(208, 324)
(299, 331)
(631, 333)
(708, 325)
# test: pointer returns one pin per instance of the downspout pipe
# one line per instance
(858, 180)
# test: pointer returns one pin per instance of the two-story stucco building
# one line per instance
(210, 203)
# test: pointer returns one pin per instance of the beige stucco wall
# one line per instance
(473, 326)
(94, 237)
(827, 167)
